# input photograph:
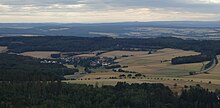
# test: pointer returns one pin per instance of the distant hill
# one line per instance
(181, 29)
(153, 23)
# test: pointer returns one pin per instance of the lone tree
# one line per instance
(87, 70)
(175, 85)
(129, 75)
(122, 76)
(150, 52)
(138, 75)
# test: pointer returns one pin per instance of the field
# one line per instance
(86, 55)
(3, 49)
(155, 64)
(213, 74)
(118, 54)
(39, 54)
(102, 75)
(179, 82)
(157, 68)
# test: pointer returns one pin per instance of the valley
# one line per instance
(154, 70)
(154, 67)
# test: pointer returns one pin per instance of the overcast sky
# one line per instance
(86, 11)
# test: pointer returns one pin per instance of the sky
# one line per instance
(96, 11)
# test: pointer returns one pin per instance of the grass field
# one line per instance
(102, 75)
(150, 64)
(118, 54)
(86, 55)
(213, 74)
(180, 83)
(147, 64)
(39, 54)
(155, 71)
(3, 49)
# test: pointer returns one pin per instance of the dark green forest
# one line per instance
(71, 44)
(208, 48)
(192, 59)
(20, 68)
(123, 95)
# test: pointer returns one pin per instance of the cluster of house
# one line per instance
(96, 61)
(45, 61)
(101, 61)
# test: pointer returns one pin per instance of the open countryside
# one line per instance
(71, 67)
(39, 54)
(109, 54)
(156, 67)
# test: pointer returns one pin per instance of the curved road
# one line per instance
(203, 70)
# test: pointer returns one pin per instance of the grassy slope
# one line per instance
(156, 72)
(39, 54)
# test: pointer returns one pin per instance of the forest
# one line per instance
(20, 68)
(192, 59)
(123, 95)
(73, 44)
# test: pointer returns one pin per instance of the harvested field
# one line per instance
(39, 54)
(113, 54)
(151, 64)
(213, 74)
(180, 83)
(86, 55)
(102, 75)
(155, 70)
(3, 49)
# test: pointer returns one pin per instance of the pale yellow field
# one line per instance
(3, 49)
(180, 83)
(214, 74)
(39, 54)
(102, 75)
(86, 55)
(151, 64)
(155, 71)
(113, 54)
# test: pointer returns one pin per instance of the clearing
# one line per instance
(3, 49)
(40, 54)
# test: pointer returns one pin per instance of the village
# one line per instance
(86, 61)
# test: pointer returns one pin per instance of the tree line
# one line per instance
(73, 44)
(123, 95)
(192, 59)
(20, 68)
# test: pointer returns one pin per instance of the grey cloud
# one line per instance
(175, 5)
(38, 2)
(100, 5)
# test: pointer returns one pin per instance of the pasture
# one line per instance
(180, 83)
(40, 54)
(3, 49)
(86, 55)
(157, 68)
(212, 75)
(156, 64)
